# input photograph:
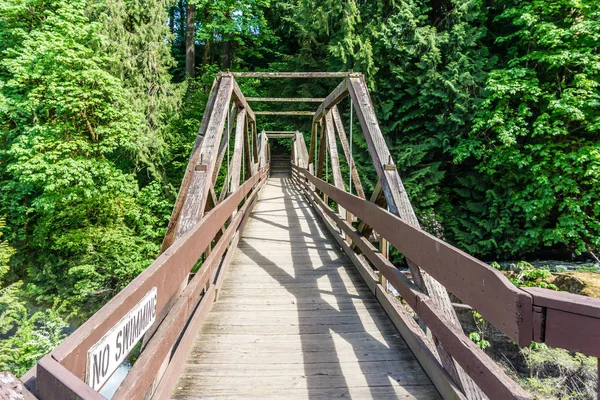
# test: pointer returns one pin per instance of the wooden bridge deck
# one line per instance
(295, 320)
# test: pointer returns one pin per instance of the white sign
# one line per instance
(104, 357)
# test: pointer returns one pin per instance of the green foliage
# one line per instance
(534, 137)
(24, 338)
(81, 221)
(556, 373)
(11, 306)
(479, 336)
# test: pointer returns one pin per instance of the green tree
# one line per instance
(80, 221)
(534, 143)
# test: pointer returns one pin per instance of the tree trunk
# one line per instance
(172, 19)
(226, 55)
(190, 52)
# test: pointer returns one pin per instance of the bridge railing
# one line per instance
(167, 303)
(523, 314)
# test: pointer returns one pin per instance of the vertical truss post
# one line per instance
(354, 177)
(338, 181)
(238, 147)
(398, 203)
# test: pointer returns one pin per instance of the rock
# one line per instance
(584, 283)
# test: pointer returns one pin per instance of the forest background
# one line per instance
(491, 110)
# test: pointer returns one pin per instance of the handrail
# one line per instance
(488, 376)
(499, 301)
(144, 372)
(541, 315)
(166, 274)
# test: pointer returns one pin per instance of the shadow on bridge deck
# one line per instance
(295, 320)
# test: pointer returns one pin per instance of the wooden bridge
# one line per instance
(291, 299)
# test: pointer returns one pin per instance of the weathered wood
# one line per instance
(11, 388)
(193, 161)
(313, 144)
(290, 74)
(492, 380)
(302, 151)
(345, 146)
(225, 139)
(337, 95)
(242, 102)
(166, 273)
(336, 172)
(399, 204)
(196, 197)
(297, 350)
(171, 375)
(419, 344)
(236, 162)
(452, 267)
(141, 378)
(254, 144)
(280, 136)
(297, 113)
(322, 152)
(285, 99)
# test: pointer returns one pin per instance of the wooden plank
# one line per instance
(280, 136)
(143, 375)
(236, 162)
(406, 325)
(264, 75)
(491, 379)
(205, 162)
(563, 301)
(166, 273)
(296, 113)
(337, 95)
(242, 102)
(169, 379)
(399, 204)
(353, 392)
(223, 146)
(169, 237)
(54, 381)
(274, 322)
(345, 146)
(302, 151)
(196, 197)
(11, 388)
(336, 172)
(322, 152)
(313, 144)
(248, 157)
(285, 99)
(559, 312)
(446, 263)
